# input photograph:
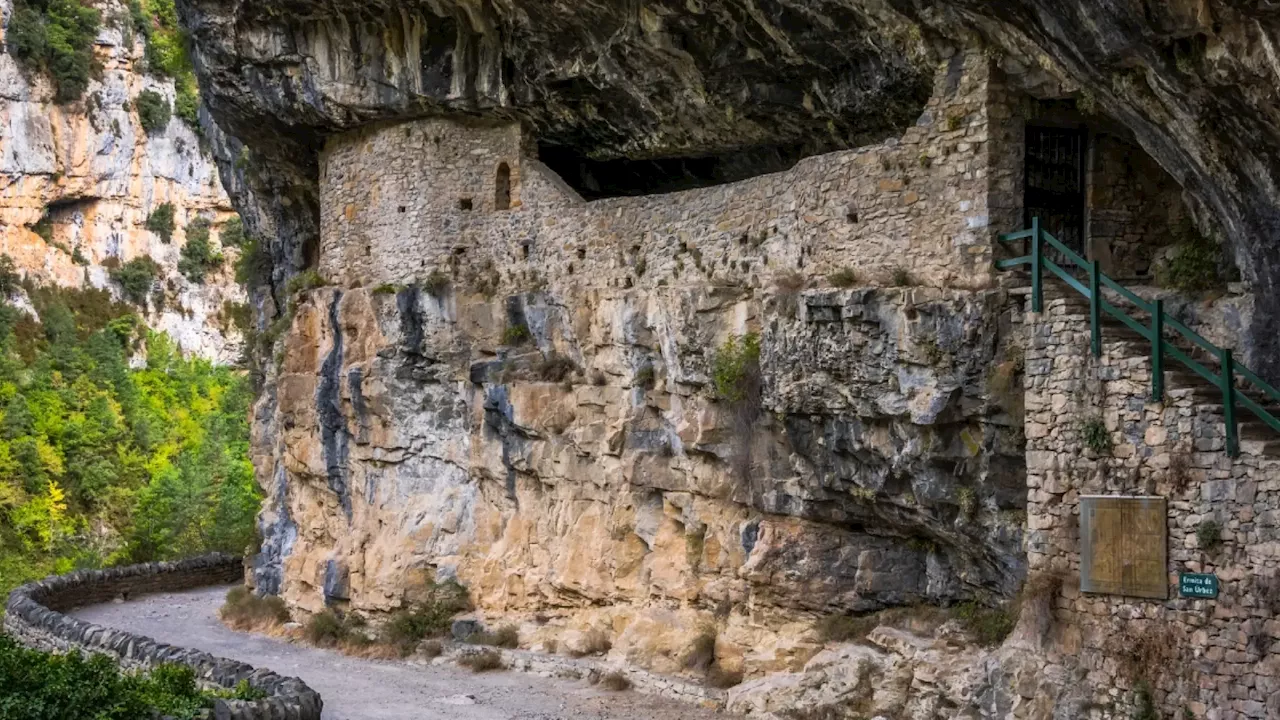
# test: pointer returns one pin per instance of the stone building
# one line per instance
(501, 382)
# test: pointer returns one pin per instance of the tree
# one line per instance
(135, 278)
(154, 111)
(198, 256)
(160, 222)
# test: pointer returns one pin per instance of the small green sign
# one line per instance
(1198, 585)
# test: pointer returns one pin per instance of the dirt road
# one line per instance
(356, 689)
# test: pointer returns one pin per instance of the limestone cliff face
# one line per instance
(93, 176)
(503, 383)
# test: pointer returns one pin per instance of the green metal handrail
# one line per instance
(1224, 378)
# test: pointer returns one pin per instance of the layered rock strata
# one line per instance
(78, 182)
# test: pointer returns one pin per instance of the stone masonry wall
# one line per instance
(399, 202)
(33, 617)
(1213, 658)
(1135, 208)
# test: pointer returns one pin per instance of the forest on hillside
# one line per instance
(114, 448)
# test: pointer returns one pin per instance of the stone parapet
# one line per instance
(34, 617)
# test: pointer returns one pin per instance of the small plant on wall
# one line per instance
(1209, 534)
(1096, 436)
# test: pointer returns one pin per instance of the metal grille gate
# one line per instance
(1054, 183)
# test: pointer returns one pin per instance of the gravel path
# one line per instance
(356, 689)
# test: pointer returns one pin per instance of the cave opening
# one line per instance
(502, 188)
(623, 177)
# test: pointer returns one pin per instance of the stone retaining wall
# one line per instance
(1203, 658)
(34, 617)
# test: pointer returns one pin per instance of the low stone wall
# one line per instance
(34, 617)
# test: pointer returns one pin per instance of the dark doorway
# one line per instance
(1054, 183)
(502, 188)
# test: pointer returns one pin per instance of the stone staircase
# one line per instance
(1181, 383)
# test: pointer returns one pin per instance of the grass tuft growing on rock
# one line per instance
(843, 278)
(243, 610)
(482, 661)
(506, 636)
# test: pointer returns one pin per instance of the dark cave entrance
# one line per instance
(597, 179)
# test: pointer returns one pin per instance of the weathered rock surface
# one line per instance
(91, 169)
(1194, 80)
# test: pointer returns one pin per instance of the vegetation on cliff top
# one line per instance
(166, 53)
(113, 447)
(56, 37)
(41, 686)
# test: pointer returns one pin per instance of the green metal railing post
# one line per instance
(1229, 402)
(1037, 291)
(1095, 309)
(1157, 351)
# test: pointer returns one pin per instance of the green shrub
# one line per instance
(324, 629)
(135, 278)
(901, 277)
(10, 280)
(161, 222)
(154, 111)
(198, 257)
(1208, 534)
(231, 234)
(40, 686)
(735, 369)
(1193, 266)
(1096, 436)
(253, 267)
(56, 37)
(989, 626)
(516, 335)
(430, 618)
(386, 289)
(302, 282)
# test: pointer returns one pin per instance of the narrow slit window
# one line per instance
(502, 188)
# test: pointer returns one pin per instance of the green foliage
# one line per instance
(160, 222)
(735, 369)
(101, 463)
(1208, 534)
(9, 277)
(40, 686)
(989, 626)
(253, 267)
(198, 256)
(56, 37)
(324, 629)
(44, 227)
(135, 278)
(901, 277)
(167, 53)
(302, 282)
(1144, 707)
(1096, 436)
(516, 335)
(431, 618)
(232, 233)
(154, 112)
(1194, 265)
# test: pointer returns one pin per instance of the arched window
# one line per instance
(502, 188)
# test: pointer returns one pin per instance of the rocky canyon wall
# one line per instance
(79, 180)
(500, 383)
